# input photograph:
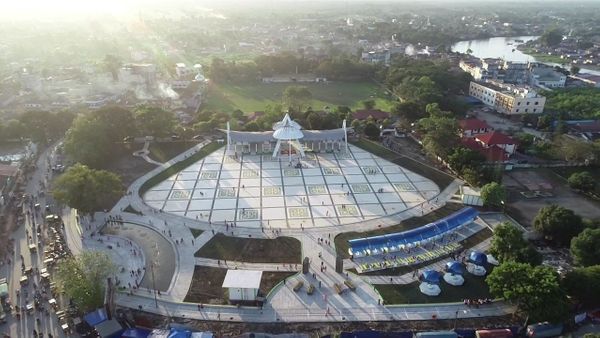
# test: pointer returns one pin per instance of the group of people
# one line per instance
(476, 302)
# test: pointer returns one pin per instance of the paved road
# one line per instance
(48, 324)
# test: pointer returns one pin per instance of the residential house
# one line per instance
(471, 127)
(497, 139)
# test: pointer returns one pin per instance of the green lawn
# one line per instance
(252, 250)
(474, 288)
(256, 96)
(341, 240)
(164, 151)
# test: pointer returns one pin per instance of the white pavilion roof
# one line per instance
(244, 279)
(286, 121)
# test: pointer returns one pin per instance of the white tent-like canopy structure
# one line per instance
(430, 289)
(454, 279)
(476, 270)
(492, 260)
(289, 131)
(286, 131)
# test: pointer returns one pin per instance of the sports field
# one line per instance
(256, 96)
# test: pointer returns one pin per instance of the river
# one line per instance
(506, 48)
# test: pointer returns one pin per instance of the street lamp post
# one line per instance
(456, 318)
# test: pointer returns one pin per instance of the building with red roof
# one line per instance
(491, 154)
(471, 127)
(375, 113)
(497, 139)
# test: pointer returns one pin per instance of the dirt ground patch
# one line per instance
(224, 329)
(524, 210)
(207, 281)
(252, 250)
(127, 166)
(206, 286)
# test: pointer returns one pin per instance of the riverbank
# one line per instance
(541, 57)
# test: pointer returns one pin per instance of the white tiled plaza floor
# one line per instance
(257, 190)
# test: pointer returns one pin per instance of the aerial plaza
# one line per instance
(290, 177)
(269, 205)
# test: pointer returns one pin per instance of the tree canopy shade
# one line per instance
(585, 247)
(576, 103)
(440, 132)
(493, 194)
(154, 121)
(551, 37)
(558, 224)
(83, 278)
(534, 290)
(87, 190)
(583, 284)
(508, 244)
(42, 126)
(296, 98)
(371, 130)
(583, 181)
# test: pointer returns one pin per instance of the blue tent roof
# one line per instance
(455, 267)
(478, 257)
(135, 333)
(431, 276)
(96, 317)
(180, 333)
(441, 226)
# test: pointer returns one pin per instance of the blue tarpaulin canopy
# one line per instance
(478, 258)
(431, 276)
(455, 267)
(135, 333)
(96, 317)
(180, 333)
(410, 237)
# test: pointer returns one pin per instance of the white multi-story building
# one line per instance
(508, 99)
(182, 71)
(546, 77)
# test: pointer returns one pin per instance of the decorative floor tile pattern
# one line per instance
(258, 190)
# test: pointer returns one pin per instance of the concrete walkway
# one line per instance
(144, 152)
(283, 304)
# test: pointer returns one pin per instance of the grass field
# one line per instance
(341, 240)
(252, 250)
(474, 288)
(256, 96)
(162, 152)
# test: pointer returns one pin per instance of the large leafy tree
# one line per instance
(371, 130)
(439, 130)
(508, 244)
(83, 278)
(154, 121)
(585, 247)
(296, 98)
(493, 194)
(534, 290)
(583, 181)
(583, 284)
(551, 37)
(87, 190)
(558, 224)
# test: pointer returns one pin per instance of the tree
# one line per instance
(87, 190)
(493, 194)
(440, 133)
(557, 224)
(237, 114)
(357, 125)
(535, 290)
(583, 284)
(462, 158)
(83, 278)
(508, 244)
(368, 104)
(314, 121)
(371, 130)
(575, 69)
(551, 37)
(585, 247)
(409, 110)
(154, 121)
(296, 98)
(87, 142)
(583, 181)
(112, 64)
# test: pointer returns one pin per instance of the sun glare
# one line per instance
(24, 9)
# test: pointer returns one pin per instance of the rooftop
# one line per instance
(245, 279)
(365, 113)
(473, 123)
(495, 138)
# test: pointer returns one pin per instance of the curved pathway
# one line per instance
(283, 304)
